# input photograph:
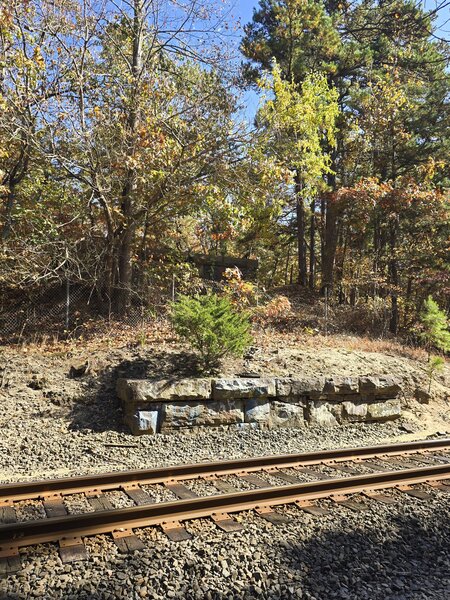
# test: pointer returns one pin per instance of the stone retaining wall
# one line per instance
(163, 406)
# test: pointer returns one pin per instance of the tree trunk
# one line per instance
(125, 272)
(331, 236)
(393, 268)
(312, 247)
(125, 246)
(7, 218)
(302, 273)
(286, 271)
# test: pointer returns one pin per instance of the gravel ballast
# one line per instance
(389, 552)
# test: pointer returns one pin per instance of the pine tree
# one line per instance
(211, 326)
(435, 327)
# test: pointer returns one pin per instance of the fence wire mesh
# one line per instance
(65, 309)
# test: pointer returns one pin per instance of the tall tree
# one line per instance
(299, 122)
(358, 45)
(134, 122)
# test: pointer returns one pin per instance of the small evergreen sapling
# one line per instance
(435, 327)
(211, 326)
(435, 334)
(434, 365)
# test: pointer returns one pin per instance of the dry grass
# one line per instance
(105, 336)
(346, 342)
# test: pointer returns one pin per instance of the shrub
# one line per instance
(435, 327)
(241, 293)
(277, 308)
(435, 365)
(211, 326)
(435, 334)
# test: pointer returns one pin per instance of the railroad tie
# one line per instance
(316, 474)
(255, 480)
(72, 549)
(342, 468)
(374, 466)
(138, 495)
(440, 485)
(348, 503)
(54, 506)
(8, 514)
(383, 498)
(287, 477)
(410, 491)
(181, 490)
(225, 522)
(175, 531)
(10, 561)
(127, 541)
(99, 502)
(9, 556)
(224, 486)
(312, 509)
(273, 517)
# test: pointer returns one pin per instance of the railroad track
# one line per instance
(300, 479)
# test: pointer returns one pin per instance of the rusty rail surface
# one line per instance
(46, 530)
(119, 479)
(69, 530)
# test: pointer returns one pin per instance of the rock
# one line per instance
(249, 374)
(37, 382)
(320, 412)
(408, 428)
(384, 411)
(341, 385)
(243, 388)
(257, 411)
(422, 395)
(354, 411)
(144, 421)
(291, 387)
(380, 386)
(78, 370)
(287, 414)
(203, 414)
(144, 390)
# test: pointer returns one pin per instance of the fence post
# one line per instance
(67, 297)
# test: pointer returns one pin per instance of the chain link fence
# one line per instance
(67, 309)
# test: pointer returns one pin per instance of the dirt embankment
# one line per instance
(45, 382)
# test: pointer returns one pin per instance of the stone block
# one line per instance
(354, 411)
(225, 389)
(288, 387)
(146, 390)
(380, 386)
(287, 414)
(341, 386)
(176, 415)
(384, 411)
(422, 395)
(257, 410)
(143, 421)
(320, 412)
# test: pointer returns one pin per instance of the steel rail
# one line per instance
(13, 536)
(119, 479)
